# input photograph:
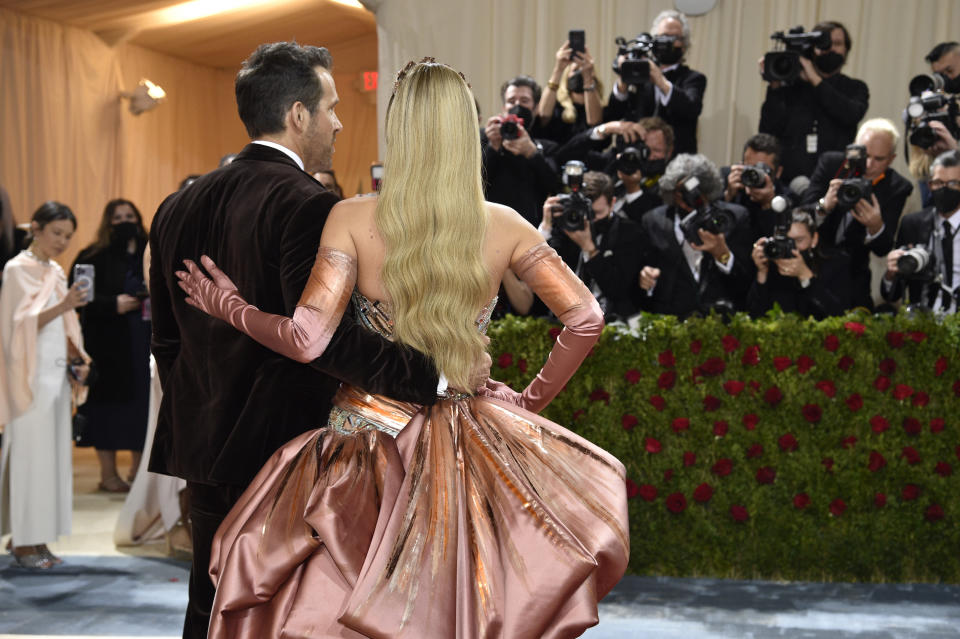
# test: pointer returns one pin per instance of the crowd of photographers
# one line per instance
(614, 182)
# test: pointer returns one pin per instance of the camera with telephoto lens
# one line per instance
(573, 208)
(929, 103)
(783, 65)
(781, 245)
(705, 215)
(916, 264)
(632, 158)
(755, 175)
(635, 68)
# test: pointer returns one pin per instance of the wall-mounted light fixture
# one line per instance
(146, 96)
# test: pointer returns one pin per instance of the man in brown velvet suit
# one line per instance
(229, 403)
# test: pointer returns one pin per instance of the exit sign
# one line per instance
(369, 80)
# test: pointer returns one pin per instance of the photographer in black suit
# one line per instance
(673, 92)
(927, 260)
(687, 268)
(756, 190)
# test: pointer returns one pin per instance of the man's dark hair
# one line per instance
(947, 159)
(272, 79)
(653, 123)
(521, 81)
(596, 184)
(941, 50)
(765, 143)
(829, 26)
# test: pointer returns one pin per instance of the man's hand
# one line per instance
(658, 79)
(892, 268)
(648, 277)
(549, 203)
(629, 131)
(713, 243)
(809, 72)
(868, 214)
(830, 199)
(762, 195)
(734, 185)
(583, 238)
(794, 266)
(945, 141)
(492, 132)
(523, 145)
(761, 260)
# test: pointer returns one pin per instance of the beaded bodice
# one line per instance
(376, 316)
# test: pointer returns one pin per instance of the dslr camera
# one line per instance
(705, 215)
(574, 208)
(635, 69)
(783, 64)
(781, 245)
(854, 187)
(510, 126)
(632, 158)
(916, 264)
(929, 103)
(755, 175)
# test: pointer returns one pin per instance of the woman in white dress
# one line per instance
(43, 356)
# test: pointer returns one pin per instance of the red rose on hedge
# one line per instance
(881, 383)
(902, 391)
(652, 445)
(956, 388)
(577, 414)
(713, 366)
(827, 387)
(750, 421)
(722, 467)
(845, 363)
(689, 458)
(730, 343)
(920, 399)
(555, 332)
(632, 489)
(934, 512)
(754, 451)
(895, 339)
(801, 501)
(879, 500)
(910, 492)
(918, 336)
(766, 475)
(912, 425)
(648, 492)
(720, 428)
(522, 365)
(831, 343)
(733, 387)
(711, 403)
(782, 363)
(703, 493)
(695, 346)
(848, 442)
(667, 379)
(754, 387)
(773, 396)
(827, 463)
(943, 469)
(680, 424)
(940, 366)
(888, 366)
(911, 455)
(632, 376)
(739, 513)
(812, 413)
(787, 442)
(751, 356)
(600, 395)
(628, 421)
(658, 402)
(854, 402)
(877, 461)
(505, 360)
(676, 502)
(879, 423)
(668, 474)
(805, 363)
(666, 359)
(937, 424)
(855, 327)
(838, 507)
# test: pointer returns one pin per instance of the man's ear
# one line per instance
(779, 172)
(814, 240)
(299, 117)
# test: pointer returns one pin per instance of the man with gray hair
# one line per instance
(696, 248)
(673, 92)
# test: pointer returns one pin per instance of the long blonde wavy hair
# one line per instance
(432, 218)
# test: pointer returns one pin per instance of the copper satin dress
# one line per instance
(472, 518)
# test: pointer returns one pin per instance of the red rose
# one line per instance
(652, 445)
(812, 413)
(918, 336)
(555, 332)
(831, 343)
(632, 376)
(881, 383)
(711, 403)
(648, 492)
(837, 507)
(773, 396)
(632, 489)
(827, 387)
(577, 414)
(845, 363)
(956, 388)
(750, 421)
(912, 425)
(855, 327)
(739, 513)
(730, 343)
(801, 501)
(667, 379)
(505, 360)
(751, 356)
(934, 512)
(902, 391)
(957, 451)
(879, 423)
(940, 366)
(910, 492)
(754, 386)
(733, 387)
(658, 402)
(713, 366)
(756, 450)
(676, 502)
(943, 469)
(805, 363)
(766, 475)
(599, 395)
(854, 402)
(680, 424)
(877, 461)
(695, 346)
(722, 467)
(720, 428)
(522, 365)
(782, 363)
(920, 399)
(937, 424)
(888, 366)
(787, 442)
(628, 421)
(703, 493)
(668, 474)
(666, 359)
(895, 339)
(689, 458)
(879, 500)
(910, 454)
(848, 442)
(827, 463)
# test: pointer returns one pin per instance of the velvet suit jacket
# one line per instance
(228, 402)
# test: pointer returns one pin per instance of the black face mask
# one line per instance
(828, 62)
(524, 114)
(649, 168)
(945, 199)
(951, 85)
(123, 232)
(575, 82)
(671, 56)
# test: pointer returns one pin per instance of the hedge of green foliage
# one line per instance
(774, 448)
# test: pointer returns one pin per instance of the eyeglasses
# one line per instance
(939, 184)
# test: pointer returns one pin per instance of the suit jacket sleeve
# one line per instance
(686, 100)
(773, 113)
(165, 341)
(847, 103)
(617, 274)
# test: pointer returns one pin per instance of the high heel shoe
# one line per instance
(32, 560)
(43, 550)
(114, 485)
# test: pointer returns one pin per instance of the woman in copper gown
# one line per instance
(470, 518)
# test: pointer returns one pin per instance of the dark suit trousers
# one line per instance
(209, 505)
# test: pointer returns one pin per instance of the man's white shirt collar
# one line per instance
(279, 147)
